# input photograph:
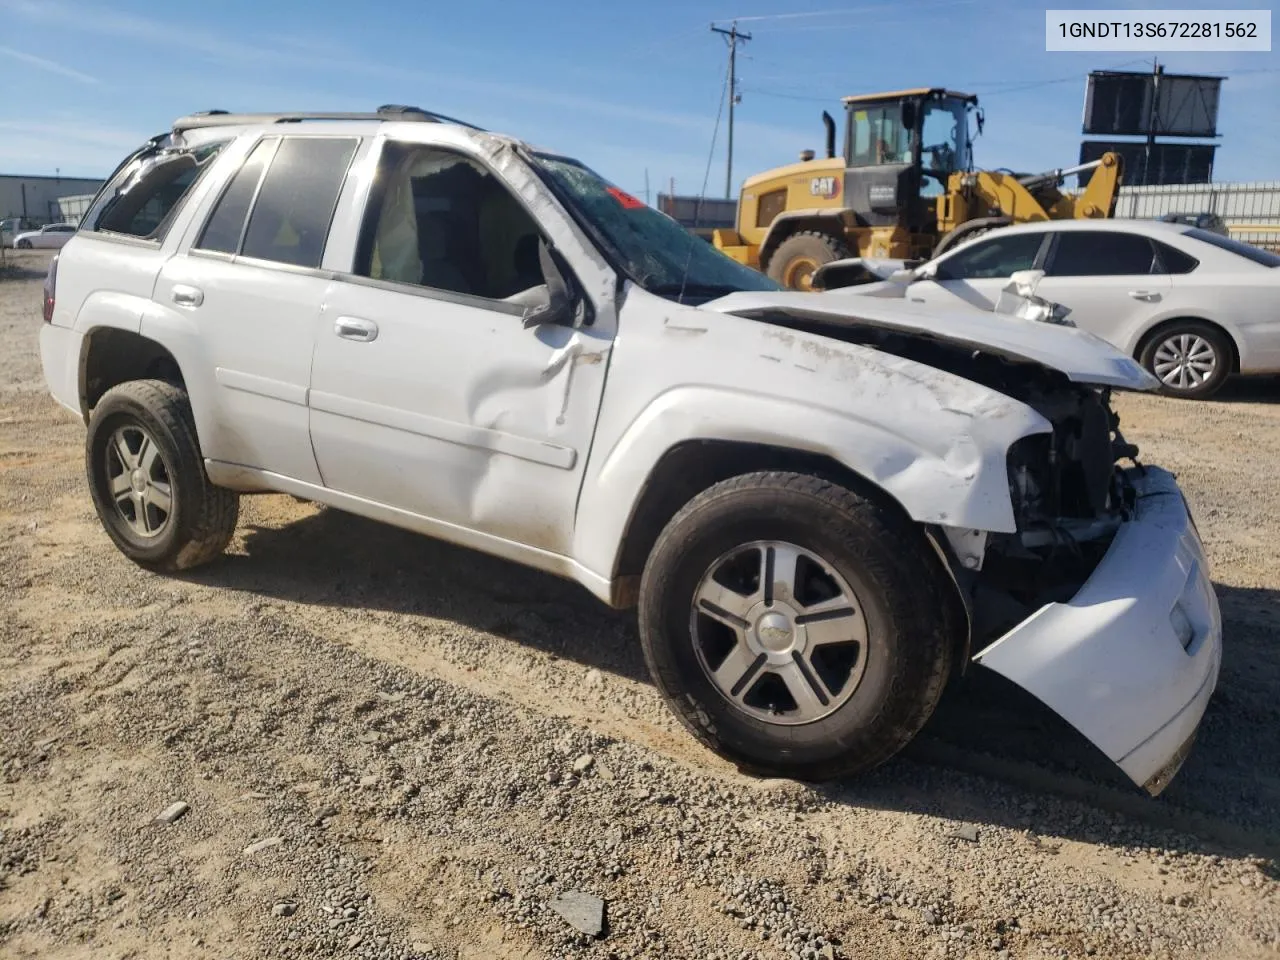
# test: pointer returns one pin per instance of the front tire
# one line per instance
(23, 245)
(799, 256)
(148, 482)
(1190, 358)
(796, 628)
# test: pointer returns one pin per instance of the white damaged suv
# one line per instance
(824, 507)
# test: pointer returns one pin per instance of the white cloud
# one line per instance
(49, 65)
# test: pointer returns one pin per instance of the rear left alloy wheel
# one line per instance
(1190, 359)
(148, 482)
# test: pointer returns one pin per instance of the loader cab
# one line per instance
(900, 148)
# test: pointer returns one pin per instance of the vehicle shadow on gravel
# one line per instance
(1265, 389)
(1225, 797)
(19, 271)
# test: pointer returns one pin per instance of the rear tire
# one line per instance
(147, 478)
(877, 659)
(799, 256)
(1191, 359)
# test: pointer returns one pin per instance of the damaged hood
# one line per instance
(1081, 356)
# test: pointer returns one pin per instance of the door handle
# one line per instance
(187, 296)
(1146, 295)
(353, 328)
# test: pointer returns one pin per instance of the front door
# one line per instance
(428, 394)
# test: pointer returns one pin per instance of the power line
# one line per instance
(706, 176)
(733, 38)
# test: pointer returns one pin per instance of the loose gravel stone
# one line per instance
(173, 813)
(582, 911)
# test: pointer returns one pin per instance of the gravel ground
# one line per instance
(391, 748)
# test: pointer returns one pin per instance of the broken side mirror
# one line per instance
(558, 308)
(1023, 283)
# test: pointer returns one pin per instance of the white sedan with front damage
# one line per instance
(1192, 306)
(824, 507)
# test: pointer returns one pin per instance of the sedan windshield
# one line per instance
(649, 247)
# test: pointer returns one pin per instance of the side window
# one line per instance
(438, 219)
(147, 195)
(290, 219)
(225, 226)
(877, 136)
(1089, 253)
(1173, 260)
(997, 257)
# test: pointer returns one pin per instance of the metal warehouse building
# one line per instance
(36, 198)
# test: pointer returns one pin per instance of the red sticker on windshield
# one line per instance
(627, 200)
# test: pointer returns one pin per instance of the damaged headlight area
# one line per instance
(1069, 498)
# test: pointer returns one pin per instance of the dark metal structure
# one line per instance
(1154, 106)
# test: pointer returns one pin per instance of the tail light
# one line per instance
(50, 289)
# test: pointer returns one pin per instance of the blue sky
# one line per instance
(628, 88)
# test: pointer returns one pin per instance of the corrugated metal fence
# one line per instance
(1251, 210)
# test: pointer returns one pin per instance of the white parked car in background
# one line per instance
(1191, 305)
(52, 236)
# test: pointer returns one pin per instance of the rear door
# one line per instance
(1111, 280)
(242, 296)
(977, 272)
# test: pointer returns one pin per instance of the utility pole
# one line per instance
(733, 38)
(1153, 122)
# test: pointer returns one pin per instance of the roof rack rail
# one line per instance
(387, 112)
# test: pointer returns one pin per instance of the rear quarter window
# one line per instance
(146, 196)
(1257, 255)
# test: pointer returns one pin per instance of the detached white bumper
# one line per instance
(1111, 662)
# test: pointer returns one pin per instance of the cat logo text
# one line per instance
(828, 188)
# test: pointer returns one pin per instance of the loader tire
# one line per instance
(799, 256)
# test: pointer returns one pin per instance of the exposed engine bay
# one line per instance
(1069, 495)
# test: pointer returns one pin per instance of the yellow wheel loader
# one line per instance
(902, 187)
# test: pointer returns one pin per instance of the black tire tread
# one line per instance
(1222, 343)
(908, 566)
(213, 524)
(838, 249)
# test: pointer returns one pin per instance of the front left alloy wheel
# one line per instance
(795, 627)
